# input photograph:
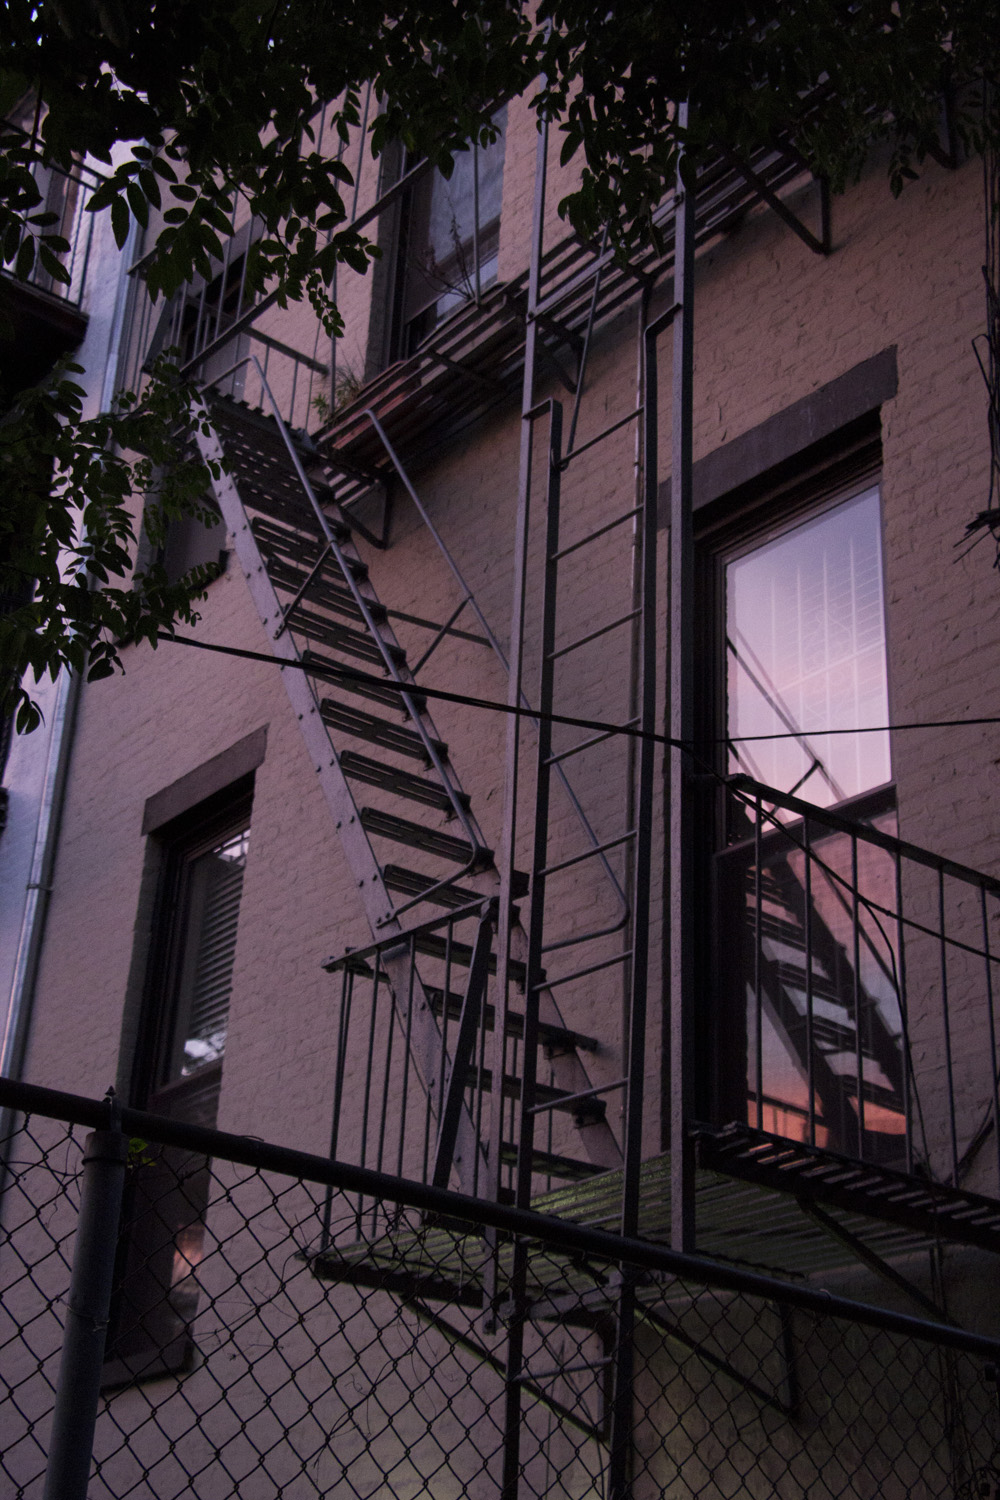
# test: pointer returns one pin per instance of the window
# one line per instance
(805, 649)
(808, 1028)
(450, 240)
(179, 1075)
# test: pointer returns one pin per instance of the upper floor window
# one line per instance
(450, 239)
(806, 652)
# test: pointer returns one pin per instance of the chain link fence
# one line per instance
(284, 1326)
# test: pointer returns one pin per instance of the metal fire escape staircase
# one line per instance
(390, 786)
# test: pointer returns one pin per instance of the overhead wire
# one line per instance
(333, 672)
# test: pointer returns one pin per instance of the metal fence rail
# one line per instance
(260, 1346)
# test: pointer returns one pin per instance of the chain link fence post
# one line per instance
(78, 1390)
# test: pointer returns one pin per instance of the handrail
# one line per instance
(807, 811)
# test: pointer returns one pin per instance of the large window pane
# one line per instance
(805, 642)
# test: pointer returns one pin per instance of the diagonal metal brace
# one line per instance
(480, 1351)
(820, 245)
(462, 1059)
(873, 1261)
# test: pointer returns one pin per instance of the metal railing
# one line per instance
(855, 976)
(64, 194)
(389, 1113)
(312, 1357)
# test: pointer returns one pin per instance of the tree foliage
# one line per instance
(216, 100)
(67, 534)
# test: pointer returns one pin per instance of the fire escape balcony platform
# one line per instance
(748, 1192)
(474, 360)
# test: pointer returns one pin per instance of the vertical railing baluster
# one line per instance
(856, 959)
(903, 1011)
(991, 1021)
(758, 1019)
(343, 1039)
(407, 1054)
(810, 1053)
(946, 1020)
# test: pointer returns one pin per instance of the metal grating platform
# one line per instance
(748, 1213)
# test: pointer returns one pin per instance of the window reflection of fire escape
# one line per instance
(756, 673)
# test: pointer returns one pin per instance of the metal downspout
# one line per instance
(22, 993)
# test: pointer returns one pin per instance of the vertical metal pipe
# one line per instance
(680, 862)
(476, 271)
(946, 1022)
(518, 1273)
(758, 954)
(903, 1011)
(810, 1038)
(540, 825)
(78, 1391)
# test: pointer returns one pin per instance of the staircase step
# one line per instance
(433, 945)
(402, 783)
(402, 831)
(341, 638)
(412, 883)
(584, 1111)
(831, 1036)
(364, 726)
(375, 692)
(324, 592)
(293, 543)
(548, 1165)
(555, 1038)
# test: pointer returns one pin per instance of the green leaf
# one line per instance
(139, 206)
(119, 221)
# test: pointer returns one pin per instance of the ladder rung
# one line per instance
(401, 831)
(365, 726)
(556, 1038)
(403, 783)
(412, 883)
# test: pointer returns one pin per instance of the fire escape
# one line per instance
(483, 1041)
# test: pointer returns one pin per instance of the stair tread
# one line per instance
(548, 1165)
(434, 946)
(343, 638)
(591, 1108)
(323, 592)
(280, 539)
(561, 1037)
(402, 783)
(376, 692)
(412, 883)
(403, 831)
(365, 726)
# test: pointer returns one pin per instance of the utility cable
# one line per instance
(334, 673)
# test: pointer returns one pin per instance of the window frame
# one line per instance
(156, 1340)
(736, 524)
(405, 339)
